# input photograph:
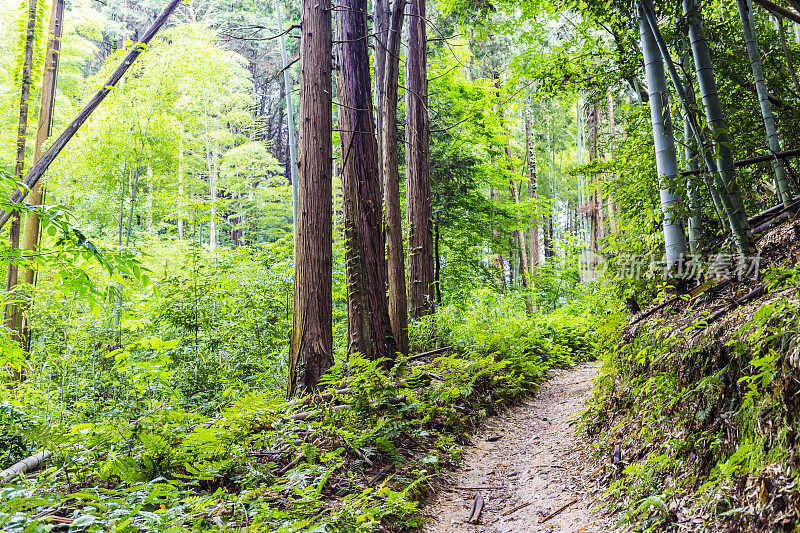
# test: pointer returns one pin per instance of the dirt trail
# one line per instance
(537, 460)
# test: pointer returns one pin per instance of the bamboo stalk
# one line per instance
(41, 166)
(29, 464)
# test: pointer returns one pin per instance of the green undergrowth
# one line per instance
(706, 423)
(251, 467)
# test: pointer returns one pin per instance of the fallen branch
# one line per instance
(752, 295)
(29, 464)
(514, 509)
(768, 225)
(385, 470)
(432, 352)
(659, 307)
(557, 511)
(771, 211)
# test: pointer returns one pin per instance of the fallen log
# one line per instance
(29, 464)
(771, 211)
(768, 225)
(655, 309)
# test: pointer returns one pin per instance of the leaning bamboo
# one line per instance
(748, 30)
(666, 158)
(41, 166)
(716, 122)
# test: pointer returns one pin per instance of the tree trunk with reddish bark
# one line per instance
(369, 328)
(311, 352)
(398, 300)
(421, 284)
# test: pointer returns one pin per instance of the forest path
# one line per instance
(537, 466)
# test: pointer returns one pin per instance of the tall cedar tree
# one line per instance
(369, 328)
(13, 316)
(398, 299)
(418, 170)
(311, 352)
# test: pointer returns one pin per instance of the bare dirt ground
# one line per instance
(532, 470)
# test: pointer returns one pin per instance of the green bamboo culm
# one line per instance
(694, 222)
(729, 187)
(664, 140)
(739, 232)
(748, 30)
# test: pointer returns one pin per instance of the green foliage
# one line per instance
(709, 416)
(150, 454)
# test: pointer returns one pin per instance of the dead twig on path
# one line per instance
(514, 509)
(557, 511)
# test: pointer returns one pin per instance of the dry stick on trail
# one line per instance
(38, 170)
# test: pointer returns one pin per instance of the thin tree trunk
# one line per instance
(311, 352)
(533, 230)
(369, 327)
(787, 53)
(38, 169)
(181, 213)
(748, 29)
(381, 20)
(149, 202)
(212, 183)
(497, 259)
(287, 82)
(438, 263)
(13, 316)
(30, 236)
(716, 122)
(398, 299)
(666, 157)
(421, 285)
(612, 219)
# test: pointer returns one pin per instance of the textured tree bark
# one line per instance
(421, 285)
(13, 316)
(398, 299)
(311, 352)
(533, 230)
(369, 328)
